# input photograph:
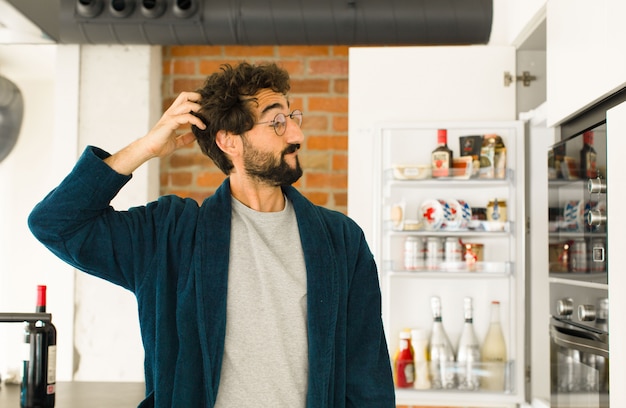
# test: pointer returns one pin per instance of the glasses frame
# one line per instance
(275, 122)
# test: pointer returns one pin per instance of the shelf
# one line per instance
(506, 229)
(447, 183)
(458, 270)
(453, 396)
(586, 280)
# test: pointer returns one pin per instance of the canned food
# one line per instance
(434, 252)
(453, 251)
(413, 253)
(578, 258)
(473, 253)
(496, 210)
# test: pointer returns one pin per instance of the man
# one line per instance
(256, 298)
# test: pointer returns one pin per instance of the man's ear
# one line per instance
(227, 142)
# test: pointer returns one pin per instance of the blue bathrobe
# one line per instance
(173, 255)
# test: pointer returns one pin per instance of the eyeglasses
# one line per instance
(280, 121)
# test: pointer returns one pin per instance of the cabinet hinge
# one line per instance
(526, 78)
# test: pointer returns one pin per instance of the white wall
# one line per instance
(74, 96)
(36, 163)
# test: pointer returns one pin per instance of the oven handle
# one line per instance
(579, 343)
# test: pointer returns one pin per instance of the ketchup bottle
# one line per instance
(404, 367)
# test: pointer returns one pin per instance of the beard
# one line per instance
(269, 169)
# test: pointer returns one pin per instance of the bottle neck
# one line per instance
(495, 313)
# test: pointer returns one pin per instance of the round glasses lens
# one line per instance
(280, 123)
(297, 116)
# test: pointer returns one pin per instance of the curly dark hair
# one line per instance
(225, 99)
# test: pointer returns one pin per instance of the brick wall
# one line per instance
(319, 79)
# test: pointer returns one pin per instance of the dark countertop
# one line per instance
(84, 395)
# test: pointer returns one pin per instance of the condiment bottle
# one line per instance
(441, 157)
(405, 372)
(419, 340)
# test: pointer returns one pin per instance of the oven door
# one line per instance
(579, 366)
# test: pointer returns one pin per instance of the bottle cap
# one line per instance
(41, 295)
(442, 136)
(588, 137)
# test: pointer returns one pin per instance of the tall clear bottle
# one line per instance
(39, 381)
(494, 355)
(441, 353)
(468, 352)
(441, 157)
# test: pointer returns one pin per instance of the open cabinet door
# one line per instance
(616, 197)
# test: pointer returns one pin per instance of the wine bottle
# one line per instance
(441, 353)
(39, 383)
(588, 167)
(494, 353)
(442, 156)
(405, 373)
(468, 352)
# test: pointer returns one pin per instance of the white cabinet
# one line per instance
(499, 275)
(585, 54)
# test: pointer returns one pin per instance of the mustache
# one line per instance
(292, 148)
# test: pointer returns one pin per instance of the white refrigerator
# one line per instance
(399, 98)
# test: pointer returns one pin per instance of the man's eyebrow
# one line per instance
(272, 106)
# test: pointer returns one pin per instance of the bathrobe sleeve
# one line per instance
(78, 224)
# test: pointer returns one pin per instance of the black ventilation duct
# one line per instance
(274, 22)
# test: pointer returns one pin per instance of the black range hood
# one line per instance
(262, 22)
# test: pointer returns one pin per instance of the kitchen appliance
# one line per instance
(579, 200)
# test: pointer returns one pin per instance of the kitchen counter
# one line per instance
(84, 394)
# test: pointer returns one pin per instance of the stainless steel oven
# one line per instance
(579, 194)
(579, 347)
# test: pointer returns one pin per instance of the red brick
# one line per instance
(341, 199)
(317, 197)
(184, 67)
(329, 67)
(249, 51)
(303, 50)
(195, 50)
(325, 180)
(340, 123)
(181, 179)
(340, 162)
(310, 86)
(341, 86)
(210, 179)
(340, 50)
(329, 104)
(314, 122)
(186, 84)
(294, 67)
(327, 143)
(208, 67)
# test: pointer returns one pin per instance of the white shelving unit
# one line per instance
(500, 276)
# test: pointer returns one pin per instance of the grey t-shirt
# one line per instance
(266, 349)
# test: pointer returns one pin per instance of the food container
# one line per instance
(496, 210)
(470, 146)
(472, 253)
(411, 171)
(558, 256)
